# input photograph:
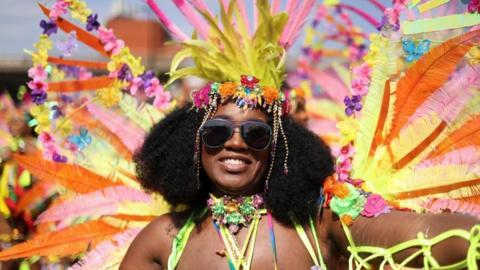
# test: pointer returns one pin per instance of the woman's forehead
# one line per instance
(235, 113)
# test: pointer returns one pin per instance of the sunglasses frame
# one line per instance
(233, 127)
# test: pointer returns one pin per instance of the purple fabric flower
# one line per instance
(352, 104)
(69, 45)
(147, 76)
(56, 112)
(92, 22)
(39, 97)
(201, 97)
(59, 158)
(49, 27)
(124, 73)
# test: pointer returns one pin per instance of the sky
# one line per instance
(19, 20)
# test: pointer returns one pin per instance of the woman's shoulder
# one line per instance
(156, 239)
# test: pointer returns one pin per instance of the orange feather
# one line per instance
(70, 241)
(427, 75)
(71, 176)
(84, 117)
(377, 137)
(80, 85)
(468, 134)
(85, 64)
(82, 35)
(34, 195)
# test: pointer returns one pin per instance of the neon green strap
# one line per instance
(317, 260)
(180, 241)
(370, 253)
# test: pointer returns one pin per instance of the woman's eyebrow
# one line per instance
(222, 116)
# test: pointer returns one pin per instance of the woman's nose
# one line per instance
(236, 142)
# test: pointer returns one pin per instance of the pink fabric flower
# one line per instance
(37, 73)
(110, 41)
(360, 86)
(38, 85)
(346, 152)
(84, 74)
(154, 88)
(58, 9)
(362, 71)
(201, 97)
(162, 99)
(135, 84)
(46, 138)
(375, 206)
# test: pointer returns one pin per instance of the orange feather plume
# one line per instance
(82, 35)
(68, 175)
(80, 85)
(468, 134)
(70, 241)
(34, 195)
(427, 75)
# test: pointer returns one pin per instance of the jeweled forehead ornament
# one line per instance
(249, 94)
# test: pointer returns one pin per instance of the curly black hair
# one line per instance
(165, 164)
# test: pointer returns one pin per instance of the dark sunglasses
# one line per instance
(215, 132)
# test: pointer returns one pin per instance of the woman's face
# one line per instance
(235, 168)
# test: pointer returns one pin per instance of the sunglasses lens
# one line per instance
(257, 135)
(215, 133)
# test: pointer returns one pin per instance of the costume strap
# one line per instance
(272, 239)
(181, 240)
(316, 257)
(370, 253)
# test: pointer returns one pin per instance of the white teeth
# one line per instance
(234, 161)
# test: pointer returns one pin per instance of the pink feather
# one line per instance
(98, 203)
(448, 101)
(200, 4)
(299, 19)
(275, 6)
(469, 155)
(130, 134)
(255, 16)
(290, 10)
(243, 12)
(332, 85)
(192, 17)
(451, 205)
(167, 23)
(97, 258)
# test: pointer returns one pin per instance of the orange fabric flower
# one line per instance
(270, 94)
(227, 89)
(340, 190)
(329, 184)
(346, 219)
(299, 92)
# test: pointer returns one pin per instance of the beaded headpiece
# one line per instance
(244, 65)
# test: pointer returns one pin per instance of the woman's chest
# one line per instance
(207, 250)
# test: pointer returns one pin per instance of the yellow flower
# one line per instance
(41, 113)
(57, 75)
(44, 43)
(377, 45)
(111, 96)
(79, 10)
(40, 58)
(348, 129)
(125, 57)
(474, 55)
